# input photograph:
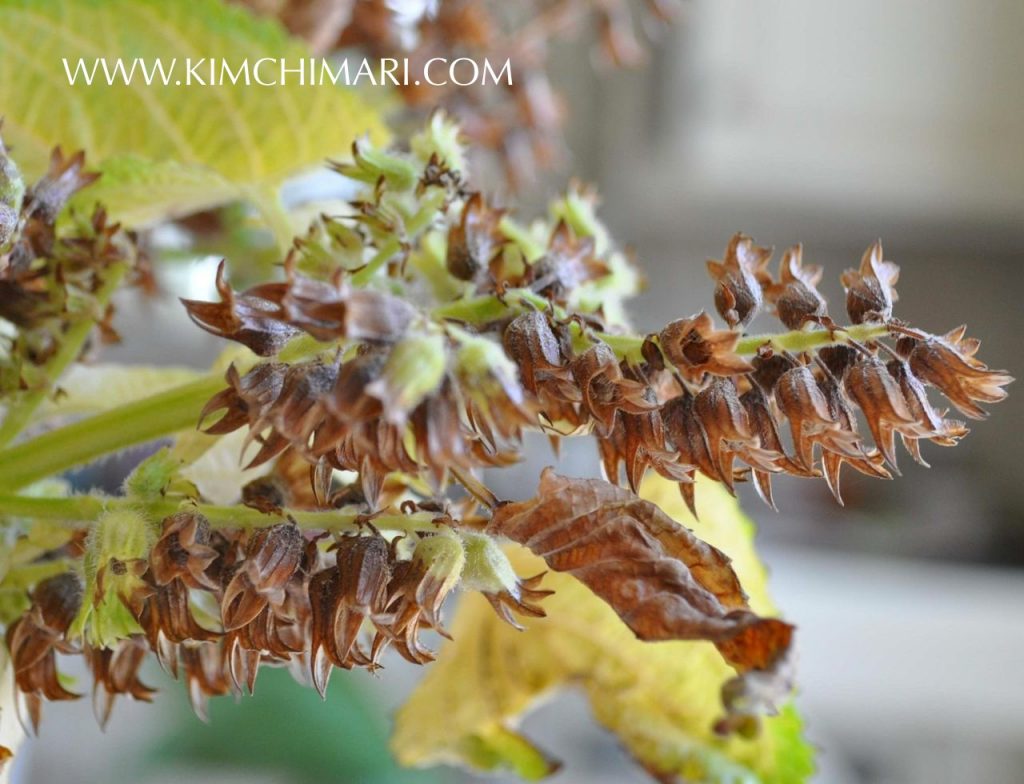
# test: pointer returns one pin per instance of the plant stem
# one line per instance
(20, 412)
(83, 441)
(76, 510)
(486, 308)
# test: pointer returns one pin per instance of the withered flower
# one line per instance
(183, 552)
(116, 672)
(870, 290)
(475, 240)
(795, 296)
(341, 597)
(737, 277)
(695, 347)
(35, 638)
(948, 363)
(488, 571)
(272, 556)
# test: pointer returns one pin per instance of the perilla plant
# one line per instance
(402, 356)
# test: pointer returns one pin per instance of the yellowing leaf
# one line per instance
(167, 148)
(660, 699)
(89, 389)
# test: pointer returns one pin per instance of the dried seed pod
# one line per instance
(34, 640)
(247, 400)
(414, 369)
(795, 296)
(810, 420)
(870, 290)
(532, 345)
(116, 672)
(495, 402)
(738, 294)
(329, 311)
(948, 364)
(870, 386)
(946, 432)
(727, 429)
(272, 557)
(183, 552)
(687, 437)
(762, 424)
(475, 240)
(569, 262)
(870, 464)
(604, 390)
(204, 676)
(254, 321)
(695, 347)
(417, 590)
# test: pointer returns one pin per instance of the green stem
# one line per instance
(83, 441)
(20, 412)
(800, 340)
(77, 510)
(487, 308)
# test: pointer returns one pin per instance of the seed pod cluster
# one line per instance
(213, 606)
(48, 282)
(425, 392)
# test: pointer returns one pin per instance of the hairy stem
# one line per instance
(21, 410)
(84, 509)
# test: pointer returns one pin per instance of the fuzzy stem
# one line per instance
(76, 510)
(20, 412)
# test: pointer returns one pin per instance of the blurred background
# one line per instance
(790, 120)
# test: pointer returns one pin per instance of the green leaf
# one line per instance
(167, 149)
(660, 699)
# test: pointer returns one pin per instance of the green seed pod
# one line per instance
(115, 558)
(487, 568)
